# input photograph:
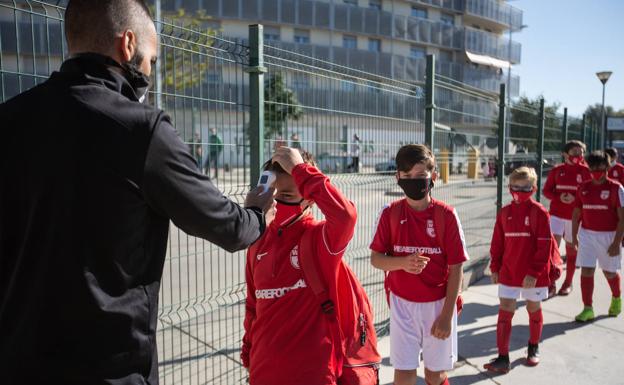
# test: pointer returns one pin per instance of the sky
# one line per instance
(563, 46)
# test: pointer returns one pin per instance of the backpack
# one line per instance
(555, 263)
(439, 223)
(351, 319)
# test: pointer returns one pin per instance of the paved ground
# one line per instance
(572, 353)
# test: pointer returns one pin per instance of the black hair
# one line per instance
(412, 154)
(92, 25)
(597, 159)
(612, 152)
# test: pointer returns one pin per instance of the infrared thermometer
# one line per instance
(267, 179)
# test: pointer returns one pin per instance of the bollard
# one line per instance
(473, 163)
(444, 165)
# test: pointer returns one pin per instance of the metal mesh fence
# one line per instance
(352, 121)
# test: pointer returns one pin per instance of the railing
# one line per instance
(494, 10)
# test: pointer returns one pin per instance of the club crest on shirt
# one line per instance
(579, 178)
(526, 221)
(616, 174)
(294, 257)
(604, 195)
(430, 228)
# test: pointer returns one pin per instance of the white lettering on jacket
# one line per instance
(419, 250)
(279, 292)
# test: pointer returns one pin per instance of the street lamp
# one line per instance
(603, 77)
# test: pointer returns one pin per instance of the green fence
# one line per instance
(233, 102)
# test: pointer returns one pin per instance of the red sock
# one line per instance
(570, 264)
(587, 289)
(503, 331)
(536, 324)
(614, 283)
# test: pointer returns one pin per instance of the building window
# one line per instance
(417, 52)
(301, 81)
(374, 4)
(271, 33)
(446, 55)
(374, 45)
(348, 86)
(351, 2)
(419, 12)
(302, 36)
(447, 19)
(349, 42)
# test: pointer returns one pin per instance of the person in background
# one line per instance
(616, 169)
(355, 154)
(597, 231)
(215, 148)
(560, 188)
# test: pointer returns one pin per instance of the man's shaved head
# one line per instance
(93, 25)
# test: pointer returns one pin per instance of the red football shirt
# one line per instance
(564, 178)
(617, 173)
(599, 204)
(416, 234)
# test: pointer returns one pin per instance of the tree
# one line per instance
(280, 104)
(186, 44)
(524, 124)
(593, 114)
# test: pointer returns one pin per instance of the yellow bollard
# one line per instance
(444, 166)
(473, 163)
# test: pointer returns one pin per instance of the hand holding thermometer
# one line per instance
(267, 179)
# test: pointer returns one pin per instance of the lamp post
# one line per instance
(603, 77)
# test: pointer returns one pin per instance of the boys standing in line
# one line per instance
(424, 271)
(599, 237)
(520, 254)
(560, 188)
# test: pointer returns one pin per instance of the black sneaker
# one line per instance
(499, 365)
(533, 355)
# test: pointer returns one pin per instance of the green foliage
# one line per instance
(524, 124)
(280, 104)
(185, 43)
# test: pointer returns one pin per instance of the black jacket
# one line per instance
(89, 179)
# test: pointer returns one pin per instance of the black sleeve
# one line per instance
(174, 187)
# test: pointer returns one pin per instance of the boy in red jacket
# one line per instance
(616, 170)
(520, 253)
(599, 239)
(424, 273)
(287, 339)
(560, 188)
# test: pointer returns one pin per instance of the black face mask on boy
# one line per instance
(416, 189)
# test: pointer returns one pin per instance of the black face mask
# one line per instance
(416, 189)
(139, 82)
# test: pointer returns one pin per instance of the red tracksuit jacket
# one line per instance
(617, 173)
(286, 337)
(561, 179)
(518, 252)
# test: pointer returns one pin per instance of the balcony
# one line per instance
(495, 11)
(489, 79)
(486, 43)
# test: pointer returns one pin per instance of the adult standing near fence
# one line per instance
(83, 240)
(215, 148)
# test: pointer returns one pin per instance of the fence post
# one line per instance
(430, 102)
(583, 130)
(256, 72)
(540, 150)
(500, 163)
(564, 139)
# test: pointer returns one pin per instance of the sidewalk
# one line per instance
(571, 353)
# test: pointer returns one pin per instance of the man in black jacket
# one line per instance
(83, 239)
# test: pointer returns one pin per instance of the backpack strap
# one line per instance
(312, 276)
(312, 273)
